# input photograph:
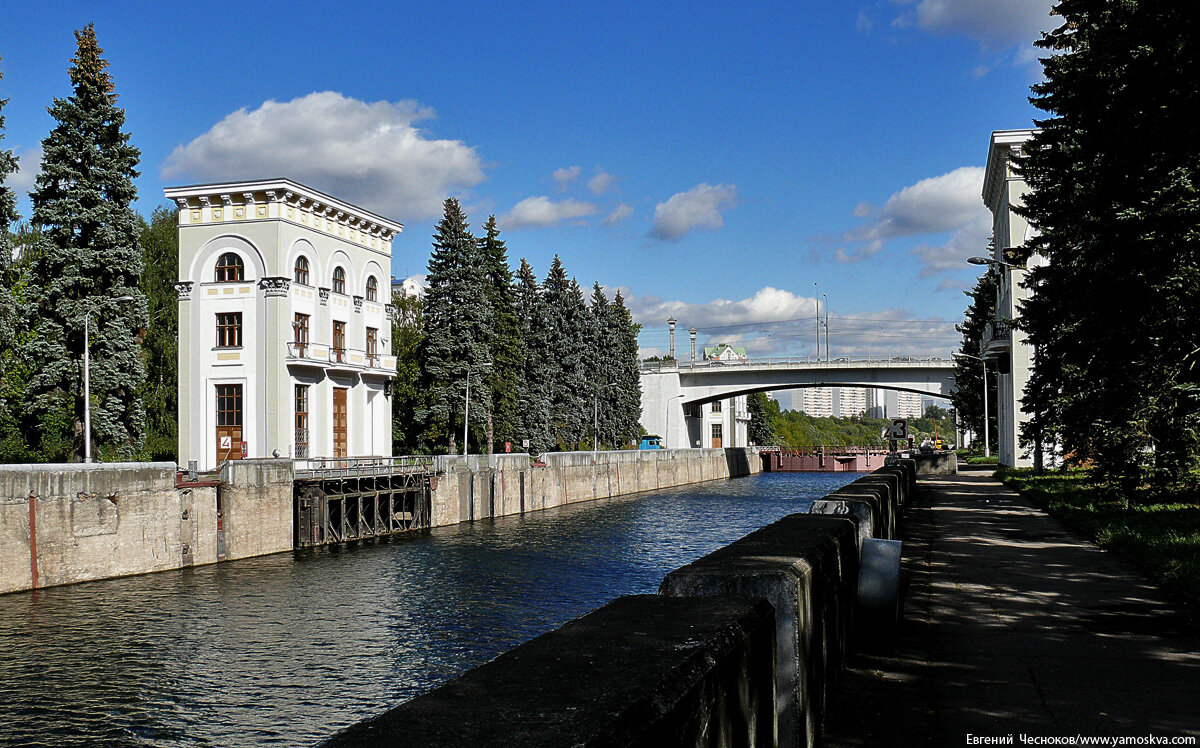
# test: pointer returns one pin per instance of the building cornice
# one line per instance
(1002, 145)
(291, 193)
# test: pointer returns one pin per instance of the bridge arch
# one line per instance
(666, 391)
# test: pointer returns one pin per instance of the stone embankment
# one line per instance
(740, 648)
(482, 486)
(62, 524)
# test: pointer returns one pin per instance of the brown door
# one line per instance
(229, 422)
(339, 422)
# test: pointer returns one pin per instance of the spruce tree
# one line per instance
(160, 258)
(627, 403)
(505, 343)
(566, 313)
(87, 257)
(968, 372)
(1114, 176)
(602, 377)
(458, 325)
(8, 216)
(535, 370)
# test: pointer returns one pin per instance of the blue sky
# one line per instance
(712, 161)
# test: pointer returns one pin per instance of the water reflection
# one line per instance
(286, 649)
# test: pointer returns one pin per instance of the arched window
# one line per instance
(372, 288)
(230, 268)
(339, 280)
(302, 270)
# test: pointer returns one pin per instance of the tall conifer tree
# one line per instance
(602, 371)
(627, 407)
(8, 216)
(1114, 176)
(535, 371)
(505, 343)
(569, 325)
(88, 256)
(458, 325)
(968, 372)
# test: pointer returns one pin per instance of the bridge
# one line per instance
(669, 387)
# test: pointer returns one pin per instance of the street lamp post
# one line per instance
(467, 407)
(826, 297)
(987, 451)
(87, 383)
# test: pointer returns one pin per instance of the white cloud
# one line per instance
(619, 213)
(777, 322)
(699, 207)
(600, 182)
(936, 205)
(995, 25)
(565, 176)
(970, 239)
(368, 153)
(28, 168)
(542, 211)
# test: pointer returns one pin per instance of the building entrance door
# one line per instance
(339, 422)
(229, 422)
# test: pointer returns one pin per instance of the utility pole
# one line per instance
(817, 317)
(826, 327)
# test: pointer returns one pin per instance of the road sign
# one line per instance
(898, 429)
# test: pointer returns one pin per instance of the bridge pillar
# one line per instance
(662, 409)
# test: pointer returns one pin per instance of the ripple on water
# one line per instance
(287, 649)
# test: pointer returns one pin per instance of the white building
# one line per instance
(1003, 347)
(838, 402)
(284, 334)
(817, 401)
(721, 423)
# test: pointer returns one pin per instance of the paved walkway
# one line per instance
(1014, 625)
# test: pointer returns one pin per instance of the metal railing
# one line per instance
(360, 467)
(793, 361)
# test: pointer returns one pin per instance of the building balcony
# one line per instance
(997, 340)
(340, 359)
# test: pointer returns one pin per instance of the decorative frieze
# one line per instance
(275, 286)
(184, 289)
(358, 301)
(324, 292)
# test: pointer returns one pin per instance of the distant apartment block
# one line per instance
(284, 331)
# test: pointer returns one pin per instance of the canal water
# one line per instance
(286, 649)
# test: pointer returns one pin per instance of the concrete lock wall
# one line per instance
(481, 486)
(256, 503)
(61, 524)
(672, 670)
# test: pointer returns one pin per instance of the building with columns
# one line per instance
(1004, 347)
(284, 325)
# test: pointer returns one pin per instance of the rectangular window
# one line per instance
(716, 407)
(339, 341)
(229, 405)
(229, 329)
(302, 420)
(716, 436)
(372, 346)
(300, 326)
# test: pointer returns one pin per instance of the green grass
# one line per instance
(981, 460)
(1161, 538)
